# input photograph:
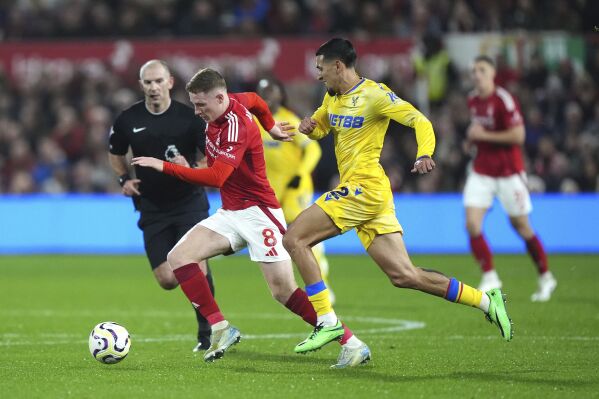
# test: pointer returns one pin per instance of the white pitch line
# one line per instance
(390, 325)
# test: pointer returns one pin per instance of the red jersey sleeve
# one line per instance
(257, 106)
(509, 115)
(214, 176)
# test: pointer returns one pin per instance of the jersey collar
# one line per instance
(362, 80)
(170, 101)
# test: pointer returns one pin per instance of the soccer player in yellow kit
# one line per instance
(289, 165)
(357, 111)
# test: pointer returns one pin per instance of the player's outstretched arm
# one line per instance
(148, 162)
(282, 131)
(214, 176)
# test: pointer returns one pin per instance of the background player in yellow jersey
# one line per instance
(357, 112)
(289, 165)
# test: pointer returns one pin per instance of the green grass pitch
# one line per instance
(422, 346)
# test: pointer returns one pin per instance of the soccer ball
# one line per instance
(109, 342)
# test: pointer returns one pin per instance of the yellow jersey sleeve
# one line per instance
(393, 107)
(321, 116)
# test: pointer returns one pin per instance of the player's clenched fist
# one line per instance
(423, 165)
(307, 125)
(148, 162)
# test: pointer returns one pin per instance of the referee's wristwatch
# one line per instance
(123, 178)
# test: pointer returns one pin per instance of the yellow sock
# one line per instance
(318, 294)
(462, 293)
(470, 296)
(321, 302)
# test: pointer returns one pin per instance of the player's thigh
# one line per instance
(390, 254)
(198, 244)
(514, 196)
(479, 191)
(310, 227)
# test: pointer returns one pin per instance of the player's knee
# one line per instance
(473, 228)
(290, 241)
(281, 292)
(168, 283)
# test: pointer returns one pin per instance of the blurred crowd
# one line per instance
(168, 18)
(53, 133)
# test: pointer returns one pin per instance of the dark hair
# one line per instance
(485, 58)
(205, 80)
(267, 84)
(338, 49)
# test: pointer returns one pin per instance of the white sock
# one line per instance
(491, 274)
(220, 325)
(327, 320)
(484, 303)
(353, 342)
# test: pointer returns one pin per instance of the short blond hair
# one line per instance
(205, 80)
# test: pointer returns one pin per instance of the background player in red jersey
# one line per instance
(497, 131)
(250, 216)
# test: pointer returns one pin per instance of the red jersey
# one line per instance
(499, 111)
(234, 138)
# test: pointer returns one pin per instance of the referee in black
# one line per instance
(165, 129)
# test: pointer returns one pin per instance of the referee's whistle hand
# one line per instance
(148, 162)
(131, 187)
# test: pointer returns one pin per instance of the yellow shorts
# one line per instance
(370, 212)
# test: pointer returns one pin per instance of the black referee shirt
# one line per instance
(176, 131)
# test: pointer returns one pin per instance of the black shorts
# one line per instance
(162, 230)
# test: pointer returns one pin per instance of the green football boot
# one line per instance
(498, 314)
(320, 337)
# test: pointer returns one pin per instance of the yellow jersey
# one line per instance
(358, 119)
(285, 160)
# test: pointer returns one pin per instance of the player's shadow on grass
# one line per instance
(284, 358)
(520, 376)
(370, 372)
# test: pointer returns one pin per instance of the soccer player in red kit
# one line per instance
(250, 216)
(497, 132)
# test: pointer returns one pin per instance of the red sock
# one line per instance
(482, 253)
(537, 253)
(195, 286)
(299, 304)
(347, 334)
